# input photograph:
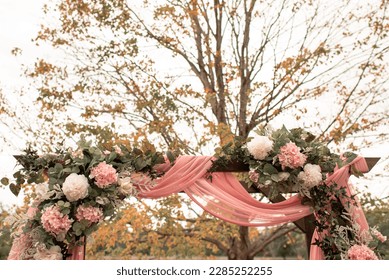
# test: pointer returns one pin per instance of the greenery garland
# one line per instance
(77, 189)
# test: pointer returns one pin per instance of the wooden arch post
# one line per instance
(306, 224)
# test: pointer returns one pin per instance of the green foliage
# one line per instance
(5, 235)
(377, 214)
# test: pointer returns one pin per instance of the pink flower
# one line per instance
(290, 156)
(89, 213)
(253, 176)
(378, 235)
(31, 212)
(361, 252)
(104, 175)
(54, 222)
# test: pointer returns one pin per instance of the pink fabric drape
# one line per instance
(223, 196)
(340, 176)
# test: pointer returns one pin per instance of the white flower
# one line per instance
(280, 176)
(311, 176)
(75, 187)
(126, 187)
(260, 147)
(42, 253)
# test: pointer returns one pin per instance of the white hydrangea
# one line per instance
(311, 176)
(75, 187)
(260, 147)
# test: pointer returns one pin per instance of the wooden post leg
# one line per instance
(309, 229)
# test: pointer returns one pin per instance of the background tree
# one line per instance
(5, 234)
(189, 75)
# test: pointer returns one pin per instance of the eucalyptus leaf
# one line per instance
(5, 181)
(15, 189)
(269, 169)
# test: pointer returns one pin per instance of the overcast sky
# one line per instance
(19, 22)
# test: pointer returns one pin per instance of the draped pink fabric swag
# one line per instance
(224, 197)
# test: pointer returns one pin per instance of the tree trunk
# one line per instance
(240, 246)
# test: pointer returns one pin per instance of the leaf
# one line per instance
(170, 156)
(269, 169)
(15, 189)
(140, 164)
(5, 181)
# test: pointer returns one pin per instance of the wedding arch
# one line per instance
(77, 189)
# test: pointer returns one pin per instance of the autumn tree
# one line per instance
(191, 74)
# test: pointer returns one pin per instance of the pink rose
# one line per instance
(104, 175)
(290, 156)
(253, 176)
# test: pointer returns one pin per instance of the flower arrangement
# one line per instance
(283, 161)
(75, 191)
(294, 161)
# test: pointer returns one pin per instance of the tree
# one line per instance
(192, 74)
(166, 231)
(5, 235)
(377, 210)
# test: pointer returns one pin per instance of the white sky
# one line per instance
(19, 22)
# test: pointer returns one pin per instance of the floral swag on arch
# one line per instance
(75, 190)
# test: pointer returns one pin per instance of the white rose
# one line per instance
(75, 187)
(42, 253)
(125, 186)
(311, 176)
(260, 147)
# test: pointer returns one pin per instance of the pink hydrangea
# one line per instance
(104, 175)
(89, 213)
(54, 222)
(361, 252)
(290, 156)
